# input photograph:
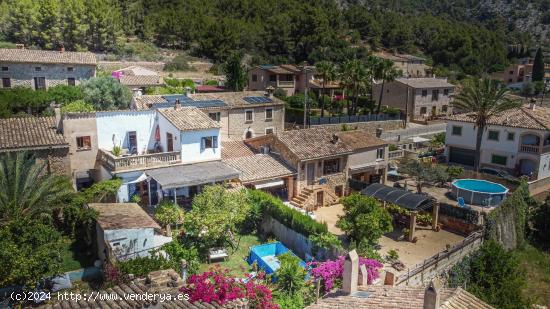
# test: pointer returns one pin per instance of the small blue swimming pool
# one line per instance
(479, 192)
(265, 256)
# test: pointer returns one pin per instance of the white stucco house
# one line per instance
(125, 231)
(165, 153)
(517, 141)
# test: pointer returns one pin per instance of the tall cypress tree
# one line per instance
(538, 67)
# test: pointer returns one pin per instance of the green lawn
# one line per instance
(237, 259)
(536, 264)
(74, 255)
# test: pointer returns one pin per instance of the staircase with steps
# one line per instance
(307, 196)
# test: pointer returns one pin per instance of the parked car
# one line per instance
(498, 173)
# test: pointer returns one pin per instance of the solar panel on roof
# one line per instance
(172, 98)
(256, 100)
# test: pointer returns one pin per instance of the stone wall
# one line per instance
(57, 160)
(238, 126)
(23, 74)
(298, 243)
(439, 264)
(370, 126)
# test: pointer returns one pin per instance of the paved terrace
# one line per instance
(429, 242)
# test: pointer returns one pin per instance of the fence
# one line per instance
(396, 154)
(440, 262)
(314, 121)
(397, 135)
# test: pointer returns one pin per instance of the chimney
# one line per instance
(431, 296)
(351, 273)
(269, 91)
(532, 104)
(20, 46)
(334, 138)
(178, 104)
(57, 111)
(379, 131)
(62, 49)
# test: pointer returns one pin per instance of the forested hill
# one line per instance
(528, 18)
(448, 33)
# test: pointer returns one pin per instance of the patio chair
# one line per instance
(461, 202)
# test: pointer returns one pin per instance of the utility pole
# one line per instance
(305, 96)
(407, 107)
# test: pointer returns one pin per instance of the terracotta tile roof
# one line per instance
(46, 56)
(236, 149)
(188, 118)
(141, 80)
(137, 71)
(231, 99)
(425, 82)
(387, 297)
(116, 216)
(360, 139)
(313, 143)
(260, 167)
(397, 57)
(30, 133)
(523, 117)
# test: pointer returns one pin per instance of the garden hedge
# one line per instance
(287, 216)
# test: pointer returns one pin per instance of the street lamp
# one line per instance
(306, 70)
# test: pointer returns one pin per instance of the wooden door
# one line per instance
(169, 142)
(320, 196)
(310, 174)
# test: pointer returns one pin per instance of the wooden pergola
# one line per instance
(413, 202)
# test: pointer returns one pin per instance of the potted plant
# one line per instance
(117, 151)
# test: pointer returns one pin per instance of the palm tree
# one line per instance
(385, 71)
(27, 189)
(327, 72)
(483, 98)
(354, 76)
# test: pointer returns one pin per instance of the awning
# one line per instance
(364, 167)
(192, 174)
(399, 197)
(418, 139)
(269, 184)
(141, 178)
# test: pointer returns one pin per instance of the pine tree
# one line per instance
(538, 66)
(74, 29)
(22, 19)
(48, 33)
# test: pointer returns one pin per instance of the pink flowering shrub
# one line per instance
(331, 272)
(214, 286)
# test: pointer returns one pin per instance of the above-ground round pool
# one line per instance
(479, 192)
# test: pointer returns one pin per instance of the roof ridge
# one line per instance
(524, 110)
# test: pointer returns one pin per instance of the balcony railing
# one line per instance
(395, 154)
(123, 163)
(534, 149)
(284, 83)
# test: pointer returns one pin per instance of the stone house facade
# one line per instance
(419, 98)
(43, 69)
(42, 138)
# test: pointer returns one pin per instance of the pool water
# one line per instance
(265, 256)
(480, 186)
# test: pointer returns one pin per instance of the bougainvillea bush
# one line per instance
(214, 286)
(331, 271)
